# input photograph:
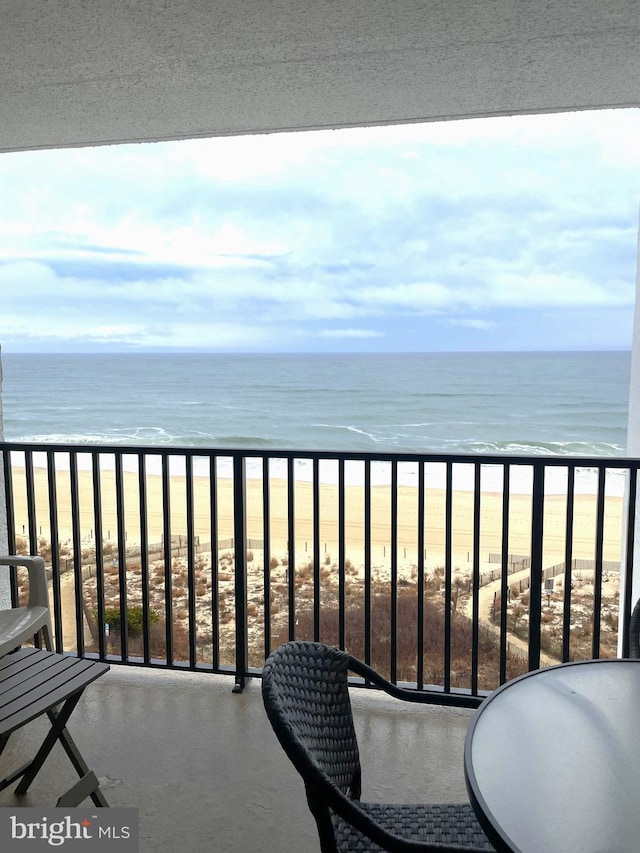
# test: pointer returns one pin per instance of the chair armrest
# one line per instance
(38, 589)
(426, 697)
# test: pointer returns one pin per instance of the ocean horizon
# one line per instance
(565, 403)
(530, 404)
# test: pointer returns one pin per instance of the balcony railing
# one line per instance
(451, 573)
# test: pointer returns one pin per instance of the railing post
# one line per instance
(342, 559)
(505, 589)
(240, 550)
(476, 579)
(597, 566)
(626, 598)
(535, 585)
(11, 527)
(97, 521)
(5, 584)
(6, 518)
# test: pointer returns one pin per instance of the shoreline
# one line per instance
(521, 473)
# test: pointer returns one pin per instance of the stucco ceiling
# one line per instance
(79, 72)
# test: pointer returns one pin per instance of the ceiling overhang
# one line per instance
(88, 73)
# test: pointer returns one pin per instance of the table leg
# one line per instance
(58, 723)
(88, 786)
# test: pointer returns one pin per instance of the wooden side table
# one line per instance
(33, 682)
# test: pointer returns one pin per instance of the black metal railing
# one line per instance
(453, 573)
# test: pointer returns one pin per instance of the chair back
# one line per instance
(634, 632)
(306, 697)
(19, 624)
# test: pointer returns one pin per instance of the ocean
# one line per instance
(517, 403)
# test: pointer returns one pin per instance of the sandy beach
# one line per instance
(381, 533)
(462, 544)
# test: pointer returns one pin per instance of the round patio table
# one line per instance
(552, 760)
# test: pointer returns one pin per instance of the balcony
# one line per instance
(184, 567)
(206, 772)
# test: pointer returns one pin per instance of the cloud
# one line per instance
(471, 323)
(374, 228)
(348, 333)
(174, 335)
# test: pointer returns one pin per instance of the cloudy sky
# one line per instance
(497, 234)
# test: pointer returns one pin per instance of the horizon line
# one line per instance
(179, 351)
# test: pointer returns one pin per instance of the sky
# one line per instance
(517, 233)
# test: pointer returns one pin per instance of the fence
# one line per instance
(560, 569)
(212, 607)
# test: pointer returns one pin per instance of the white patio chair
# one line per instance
(18, 624)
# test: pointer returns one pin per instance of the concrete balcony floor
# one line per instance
(206, 772)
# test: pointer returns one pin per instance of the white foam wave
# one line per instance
(350, 428)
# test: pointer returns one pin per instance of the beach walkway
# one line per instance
(486, 595)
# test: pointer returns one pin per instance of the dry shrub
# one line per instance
(350, 568)
(610, 620)
(406, 639)
(304, 573)
(517, 613)
(157, 641)
(22, 545)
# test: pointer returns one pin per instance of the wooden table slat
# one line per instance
(20, 679)
(38, 683)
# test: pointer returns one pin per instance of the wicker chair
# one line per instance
(305, 693)
(634, 632)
